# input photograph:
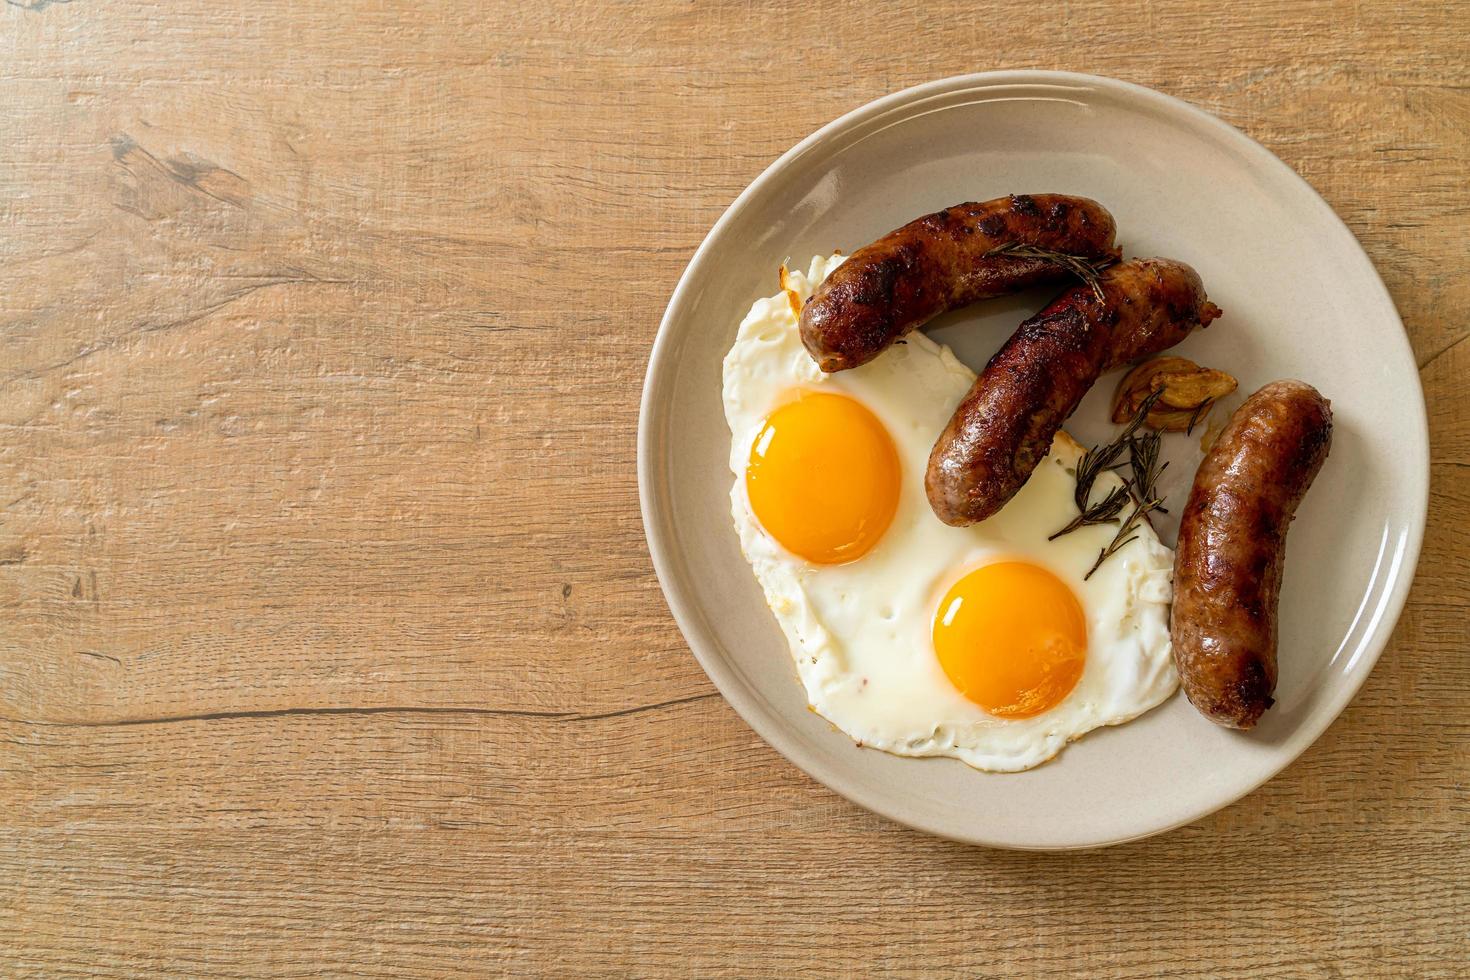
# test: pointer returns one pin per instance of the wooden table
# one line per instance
(328, 636)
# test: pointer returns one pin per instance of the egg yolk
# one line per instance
(1012, 638)
(823, 478)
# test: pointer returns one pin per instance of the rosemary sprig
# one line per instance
(1139, 485)
(1103, 458)
(1080, 266)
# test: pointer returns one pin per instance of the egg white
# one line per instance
(861, 633)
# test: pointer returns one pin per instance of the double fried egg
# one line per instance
(991, 643)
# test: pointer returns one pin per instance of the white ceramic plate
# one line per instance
(1301, 300)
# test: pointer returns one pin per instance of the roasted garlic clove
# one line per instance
(1185, 389)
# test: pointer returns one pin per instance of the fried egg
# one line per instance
(990, 643)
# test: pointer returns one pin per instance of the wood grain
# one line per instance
(330, 641)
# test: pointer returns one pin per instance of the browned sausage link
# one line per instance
(1232, 539)
(939, 262)
(1005, 425)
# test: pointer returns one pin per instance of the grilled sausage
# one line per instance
(1005, 425)
(1232, 539)
(941, 262)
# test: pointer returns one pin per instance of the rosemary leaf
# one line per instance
(1200, 411)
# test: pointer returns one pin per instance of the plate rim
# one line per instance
(683, 607)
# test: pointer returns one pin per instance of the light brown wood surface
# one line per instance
(329, 641)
